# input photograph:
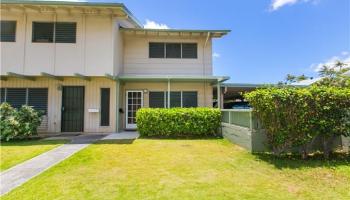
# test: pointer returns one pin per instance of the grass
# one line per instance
(185, 169)
(15, 152)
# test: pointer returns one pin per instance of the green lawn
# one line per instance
(185, 169)
(13, 153)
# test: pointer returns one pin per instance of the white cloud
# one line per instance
(154, 25)
(216, 55)
(344, 57)
(344, 53)
(277, 4)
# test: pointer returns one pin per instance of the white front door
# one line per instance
(134, 101)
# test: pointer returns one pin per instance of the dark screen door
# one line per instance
(72, 109)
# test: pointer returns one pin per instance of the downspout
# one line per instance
(54, 43)
(168, 93)
(117, 102)
(218, 88)
(25, 41)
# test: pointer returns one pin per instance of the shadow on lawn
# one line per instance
(295, 162)
(181, 137)
(31, 142)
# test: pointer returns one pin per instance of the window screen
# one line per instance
(156, 50)
(175, 99)
(105, 105)
(37, 97)
(173, 50)
(189, 50)
(65, 32)
(43, 32)
(189, 99)
(156, 100)
(8, 31)
(16, 97)
(2, 95)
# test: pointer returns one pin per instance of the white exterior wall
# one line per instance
(91, 55)
(137, 61)
(91, 99)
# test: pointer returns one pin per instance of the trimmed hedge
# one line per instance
(178, 122)
(295, 117)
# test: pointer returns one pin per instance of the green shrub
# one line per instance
(29, 121)
(20, 123)
(178, 122)
(8, 122)
(294, 117)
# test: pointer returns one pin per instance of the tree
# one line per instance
(334, 75)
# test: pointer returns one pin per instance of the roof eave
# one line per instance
(129, 14)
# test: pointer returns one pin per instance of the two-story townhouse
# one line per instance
(90, 66)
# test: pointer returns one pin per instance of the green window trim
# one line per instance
(54, 32)
(8, 31)
(159, 99)
(35, 97)
(173, 50)
(105, 107)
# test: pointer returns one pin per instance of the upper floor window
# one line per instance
(50, 32)
(172, 50)
(8, 31)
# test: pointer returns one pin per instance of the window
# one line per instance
(156, 50)
(105, 106)
(16, 97)
(43, 32)
(156, 99)
(189, 50)
(184, 99)
(189, 99)
(2, 95)
(50, 32)
(35, 97)
(8, 31)
(172, 50)
(175, 99)
(65, 32)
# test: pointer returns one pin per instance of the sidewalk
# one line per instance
(23, 172)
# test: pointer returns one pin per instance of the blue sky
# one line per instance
(269, 38)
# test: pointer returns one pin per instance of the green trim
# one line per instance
(111, 77)
(117, 103)
(77, 3)
(222, 32)
(3, 78)
(213, 79)
(30, 78)
(87, 78)
(245, 85)
(52, 76)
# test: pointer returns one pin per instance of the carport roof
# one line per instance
(212, 79)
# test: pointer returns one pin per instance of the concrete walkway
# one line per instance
(23, 172)
(125, 135)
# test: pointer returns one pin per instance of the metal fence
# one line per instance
(240, 117)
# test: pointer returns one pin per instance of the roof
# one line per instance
(82, 3)
(212, 79)
(176, 32)
(244, 85)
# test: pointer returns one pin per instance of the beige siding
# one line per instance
(92, 100)
(137, 61)
(92, 54)
(205, 92)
